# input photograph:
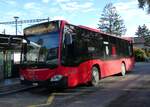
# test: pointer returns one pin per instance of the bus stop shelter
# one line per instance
(9, 45)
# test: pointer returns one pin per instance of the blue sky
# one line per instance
(79, 12)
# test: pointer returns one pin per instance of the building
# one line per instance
(10, 48)
(139, 42)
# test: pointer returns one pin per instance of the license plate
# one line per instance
(35, 84)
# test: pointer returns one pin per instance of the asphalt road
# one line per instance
(133, 90)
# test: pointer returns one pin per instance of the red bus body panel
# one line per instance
(80, 74)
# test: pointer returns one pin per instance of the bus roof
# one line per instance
(87, 28)
(99, 31)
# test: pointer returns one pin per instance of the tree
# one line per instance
(144, 32)
(144, 4)
(111, 22)
(139, 54)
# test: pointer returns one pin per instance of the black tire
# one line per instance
(95, 77)
(123, 69)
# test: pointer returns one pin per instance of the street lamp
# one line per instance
(16, 19)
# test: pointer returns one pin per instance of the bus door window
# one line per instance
(68, 44)
(68, 39)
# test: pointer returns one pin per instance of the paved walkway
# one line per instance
(7, 82)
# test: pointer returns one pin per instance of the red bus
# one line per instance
(59, 54)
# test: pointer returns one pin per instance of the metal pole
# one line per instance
(48, 19)
(16, 19)
(4, 32)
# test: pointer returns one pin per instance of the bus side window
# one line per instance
(130, 49)
(113, 50)
(106, 48)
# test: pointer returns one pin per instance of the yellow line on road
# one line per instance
(50, 98)
(49, 101)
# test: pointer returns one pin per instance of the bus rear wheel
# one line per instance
(95, 76)
(123, 69)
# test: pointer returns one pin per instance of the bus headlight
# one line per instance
(56, 78)
(21, 77)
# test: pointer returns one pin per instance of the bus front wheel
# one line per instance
(95, 76)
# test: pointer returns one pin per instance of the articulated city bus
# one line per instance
(59, 54)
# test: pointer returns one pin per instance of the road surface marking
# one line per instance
(49, 101)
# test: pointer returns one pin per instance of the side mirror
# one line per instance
(68, 39)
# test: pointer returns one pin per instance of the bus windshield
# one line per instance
(43, 46)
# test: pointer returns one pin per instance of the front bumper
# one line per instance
(63, 83)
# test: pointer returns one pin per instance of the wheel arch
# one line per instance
(124, 63)
(99, 69)
(123, 71)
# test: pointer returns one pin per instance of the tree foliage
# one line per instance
(144, 32)
(139, 54)
(111, 22)
(144, 4)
